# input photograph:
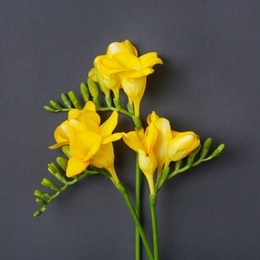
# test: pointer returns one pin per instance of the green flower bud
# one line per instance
(42, 195)
(50, 109)
(93, 89)
(66, 150)
(192, 155)
(74, 100)
(56, 173)
(48, 183)
(218, 151)
(102, 86)
(56, 105)
(41, 201)
(205, 148)
(66, 100)
(62, 162)
(84, 92)
(177, 165)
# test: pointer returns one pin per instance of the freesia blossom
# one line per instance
(90, 142)
(171, 145)
(143, 143)
(86, 119)
(180, 146)
(158, 145)
(122, 62)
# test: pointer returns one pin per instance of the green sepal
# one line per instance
(66, 100)
(137, 122)
(84, 92)
(74, 100)
(117, 103)
(178, 165)
(108, 101)
(130, 108)
(50, 184)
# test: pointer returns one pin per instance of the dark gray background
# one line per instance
(209, 83)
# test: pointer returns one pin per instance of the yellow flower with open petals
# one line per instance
(122, 62)
(86, 119)
(90, 142)
(95, 148)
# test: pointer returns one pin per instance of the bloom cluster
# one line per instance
(88, 143)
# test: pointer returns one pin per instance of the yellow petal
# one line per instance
(141, 73)
(75, 166)
(125, 47)
(134, 88)
(74, 113)
(148, 60)
(84, 144)
(127, 60)
(92, 74)
(152, 117)
(132, 139)
(90, 106)
(58, 145)
(163, 138)
(109, 125)
(148, 165)
(104, 158)
(112, 138)
(150, 138)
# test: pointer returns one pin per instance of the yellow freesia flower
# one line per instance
(86, 119)
(90, 142)
(122, 62)
(158, 145)
(143, 143)
(164, 137)
(180, 146)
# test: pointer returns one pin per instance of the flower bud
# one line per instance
(180, 146)
(93, 89)
(50, 109)
(48, 183)
(84, 92)
(55, 104)
(218, 151)
(74, 100)
(41, 201)
(66, 100)
(66, 150)
(205, 148)
(63, 163)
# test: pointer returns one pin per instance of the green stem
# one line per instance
(123, 191)
(154, 226)
(137, 207)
